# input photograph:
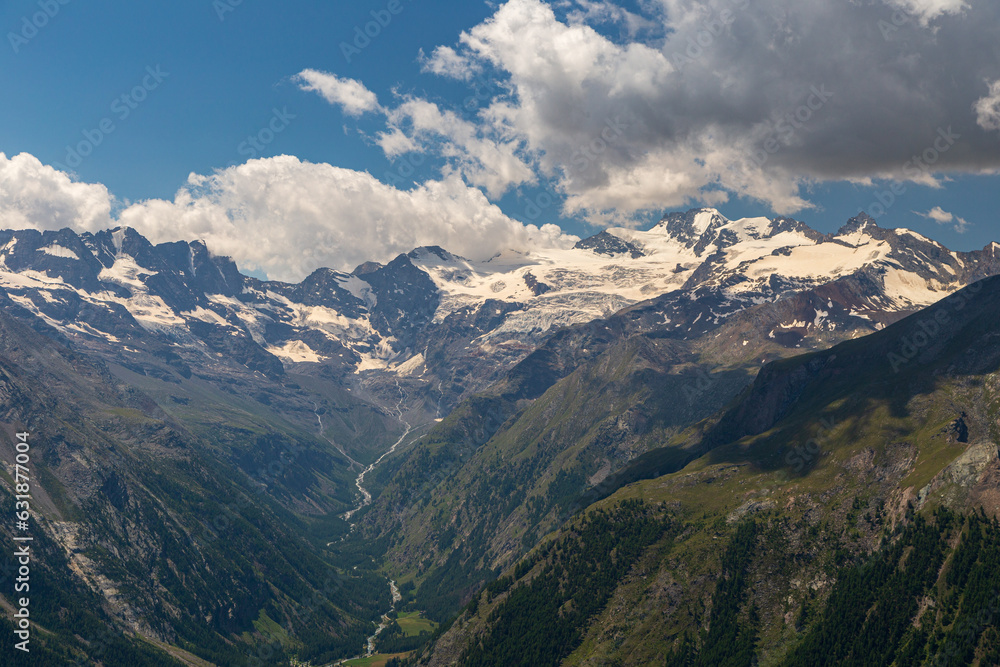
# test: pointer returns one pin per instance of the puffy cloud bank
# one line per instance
(280, 215)
(36, 196)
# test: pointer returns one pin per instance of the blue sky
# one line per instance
(157, 91)
(226, 75)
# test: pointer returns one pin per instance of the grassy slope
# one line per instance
(412, 623)
(176, 538)
(524, 481)
(482, 500)
(863, 455)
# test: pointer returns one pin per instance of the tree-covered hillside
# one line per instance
(842, 512)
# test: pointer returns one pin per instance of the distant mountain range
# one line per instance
(450, 324)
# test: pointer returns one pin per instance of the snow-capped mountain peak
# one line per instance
(692, 229)
(858, 223)
(115, 291)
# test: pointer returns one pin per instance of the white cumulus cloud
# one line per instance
(928, 10)
(287, 218)
(351, 95)
(280, 215)
(445, 61)
(988, 108)
(942, 217)
(36, 196)
(484, 159)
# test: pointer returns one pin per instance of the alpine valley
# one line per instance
(714, 442)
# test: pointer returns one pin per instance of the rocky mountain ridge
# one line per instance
(446, 325)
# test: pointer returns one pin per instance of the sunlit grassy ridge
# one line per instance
(864, 487)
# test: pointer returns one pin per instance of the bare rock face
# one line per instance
(604, 243)
(113, 292)
(965, 476)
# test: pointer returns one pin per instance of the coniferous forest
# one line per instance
(930, 596)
